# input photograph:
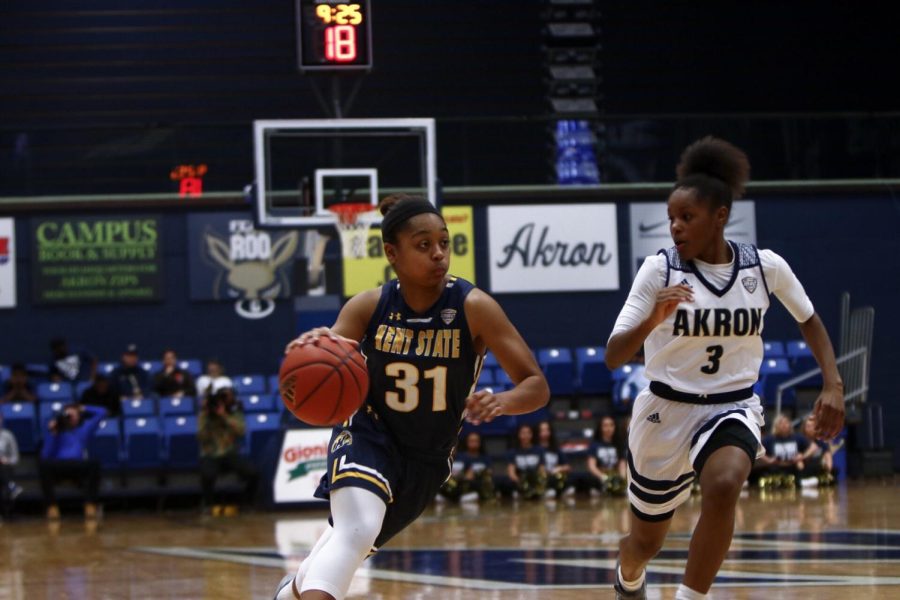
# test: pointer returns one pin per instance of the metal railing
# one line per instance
(860, 391)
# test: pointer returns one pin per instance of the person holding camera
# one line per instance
(220, 426)
(64, 456)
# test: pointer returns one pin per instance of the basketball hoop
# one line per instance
(353, 222)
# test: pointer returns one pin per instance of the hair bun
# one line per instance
(714, 157)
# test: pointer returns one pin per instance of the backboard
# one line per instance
(304, 166)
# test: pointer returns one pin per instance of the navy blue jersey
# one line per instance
(422, 367)
(526, 459)
(607, 455)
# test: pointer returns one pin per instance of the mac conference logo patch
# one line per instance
(749, 283)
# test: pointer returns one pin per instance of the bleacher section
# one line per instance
(158, 435)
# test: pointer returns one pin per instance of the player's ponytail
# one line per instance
(715, 168)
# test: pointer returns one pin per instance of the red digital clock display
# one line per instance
(334, 35)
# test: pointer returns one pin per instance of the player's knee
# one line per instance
(645, 546)
(722, 488)
(359, 533)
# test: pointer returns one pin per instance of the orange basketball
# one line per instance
(323, 383)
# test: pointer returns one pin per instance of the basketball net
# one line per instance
(353, 222)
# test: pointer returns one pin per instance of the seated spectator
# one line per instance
(78, 365)
(606, 462)
(130, 380)
(9, 458)
(214, 379)
(471, 477)
(220, 427)
(818, 459)
(64, 456)
(172, 380)
(556, 465)
(18, 388)
(102, 393)
(783, 461)
(526, 465)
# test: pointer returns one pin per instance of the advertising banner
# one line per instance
(301, 464)
(230, 260)
(650, 228)
(553, 248)
(7, 263)
(96, 259)
(373, 270)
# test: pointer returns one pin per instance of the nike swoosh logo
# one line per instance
(645, 228)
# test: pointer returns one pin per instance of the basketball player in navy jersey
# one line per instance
(697, 308)
(424, 336)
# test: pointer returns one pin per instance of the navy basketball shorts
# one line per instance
(362, 454)
(665, 440)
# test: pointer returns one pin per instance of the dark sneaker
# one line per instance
(288, 580)
(623, 594)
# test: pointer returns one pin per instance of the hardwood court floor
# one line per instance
(840, 543)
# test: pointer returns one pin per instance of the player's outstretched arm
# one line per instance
(829, 408)
(351, 321)
(492, 329)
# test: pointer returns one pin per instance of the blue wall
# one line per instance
(834, 243)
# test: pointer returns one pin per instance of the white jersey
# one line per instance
(713, 344)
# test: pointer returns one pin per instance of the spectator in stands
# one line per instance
(64, 456)
(606, 461)
(471, 477)
(818, 459)
(9, 458)
(72, 366)
(556, 464)
(783, 461)
(102, 393)
(526, 465)
(130, 379)
(220, 427)
(18, 388)
(213, 379)
(172, 380)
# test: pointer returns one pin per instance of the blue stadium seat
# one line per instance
(181, 443)
(261, 427)
(773, 372)
(502, 381)
(249, 384)
(38, 371)
(55, 392)
(559, 369)
(106, 443)
(151, 366)
(624, 391)
(193, 366)
(255, 403)
(773, 350)
(801, 358)
(143, 442)
(4, 373)
(106, 368)
(273, 383)
(138, 407)
(490, 361)
(591, 371)
(486, 378)
(170, 405)
(21, 420)
(80, 387)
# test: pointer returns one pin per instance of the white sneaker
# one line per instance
(469, 497)
(809, 482)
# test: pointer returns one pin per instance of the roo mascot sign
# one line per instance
(240, 263)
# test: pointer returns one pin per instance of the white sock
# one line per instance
(632, 586)
(358, 515)
(686, 593)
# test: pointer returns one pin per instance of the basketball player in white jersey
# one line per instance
(697, 308)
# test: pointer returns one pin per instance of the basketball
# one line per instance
(323, 383)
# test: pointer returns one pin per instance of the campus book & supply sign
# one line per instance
(553, 248)
(96, 259)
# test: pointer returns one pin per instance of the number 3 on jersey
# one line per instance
(715, 353)
(406, 378)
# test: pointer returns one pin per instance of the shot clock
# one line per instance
(334, 35)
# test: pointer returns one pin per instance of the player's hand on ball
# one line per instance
(312, 336)
(483, 407)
